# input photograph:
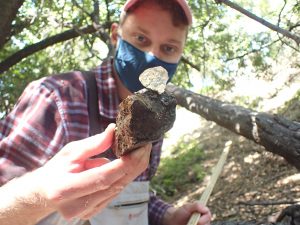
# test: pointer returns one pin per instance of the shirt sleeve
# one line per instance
(31, 133)
(157, 207)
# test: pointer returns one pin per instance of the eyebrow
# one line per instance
(143, 30)
(171, 41)
(174, 41)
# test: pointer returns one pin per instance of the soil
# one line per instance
(254, 185)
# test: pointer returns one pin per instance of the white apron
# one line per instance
(130, 207)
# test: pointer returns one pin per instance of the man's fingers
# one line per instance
(203, 210)
(97, 162)
(196, 207)
(140, 158)
(204, 219)
(124, 170)
(93, 145)
(137, 161)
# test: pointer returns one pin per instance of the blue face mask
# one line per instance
(130, 62)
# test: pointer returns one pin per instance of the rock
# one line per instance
(143, 117)
(155, 78)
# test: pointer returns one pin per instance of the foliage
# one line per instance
(248, 102)
(44, 19)
(228, 48)
(181, 168)
(219, 44)
(291, 109)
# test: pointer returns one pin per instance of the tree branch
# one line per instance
(9, 10)
(186, 61)
(252, 51)
(31, 49)
(279, 16)
(82, 9)
(277, 134)
(284, 32)
(96, 13)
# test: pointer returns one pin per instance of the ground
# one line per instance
(254, 184)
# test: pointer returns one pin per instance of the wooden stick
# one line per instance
(214, 177)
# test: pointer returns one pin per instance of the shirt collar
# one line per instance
(108, 98)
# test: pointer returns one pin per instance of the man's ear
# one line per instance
(114, 33)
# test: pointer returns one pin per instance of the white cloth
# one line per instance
(130, 207)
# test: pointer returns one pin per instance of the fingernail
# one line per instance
(111, 126)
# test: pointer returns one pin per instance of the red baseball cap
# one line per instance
(182, 3)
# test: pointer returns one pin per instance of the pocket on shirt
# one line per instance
(130, 207)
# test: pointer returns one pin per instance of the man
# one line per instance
(53, 112)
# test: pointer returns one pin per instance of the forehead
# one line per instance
(154, 20)
(174, 9)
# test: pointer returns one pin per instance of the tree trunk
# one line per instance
(275, 133)
(8, 11)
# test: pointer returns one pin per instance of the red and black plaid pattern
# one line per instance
(52, 112)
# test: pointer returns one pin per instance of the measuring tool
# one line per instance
(214, 177)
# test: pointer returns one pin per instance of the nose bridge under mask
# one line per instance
(154, 61)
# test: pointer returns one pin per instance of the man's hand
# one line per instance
(181, 215)
(71, 183)
(78, 186)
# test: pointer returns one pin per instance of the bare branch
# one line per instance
(294, 26)
(284, 32)
(186, 61)
(31, 49)
(107, 10)
(96, 12)
(277, 134)
(104, 36)
(252, 51)
(279, 16)
(81, 8)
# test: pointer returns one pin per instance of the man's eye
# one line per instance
(141, 38)
(168, 49)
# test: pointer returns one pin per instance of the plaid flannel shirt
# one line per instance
(51, 113)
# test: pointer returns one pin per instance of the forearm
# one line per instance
(21, 202)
